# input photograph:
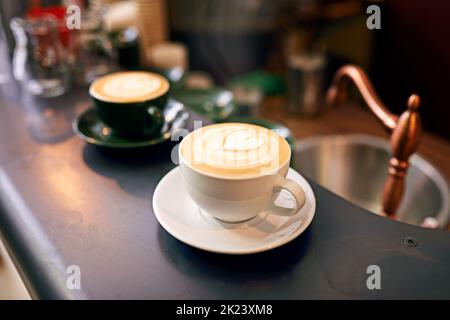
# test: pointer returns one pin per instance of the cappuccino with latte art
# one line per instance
(235, 150)
(131, 103)
(130, 86)
(233, 170)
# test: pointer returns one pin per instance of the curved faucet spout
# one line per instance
(406, 131)
(362, 82)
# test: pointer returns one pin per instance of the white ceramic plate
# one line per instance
(180, 216)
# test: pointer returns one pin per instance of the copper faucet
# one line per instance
(405, 131)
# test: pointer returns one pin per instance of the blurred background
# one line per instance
(268, 62)
(268, 46)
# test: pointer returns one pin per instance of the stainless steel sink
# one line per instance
(355, 167)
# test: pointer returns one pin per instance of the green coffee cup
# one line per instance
(131, 102)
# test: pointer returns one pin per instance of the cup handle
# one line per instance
(297, 193)
(156, 119)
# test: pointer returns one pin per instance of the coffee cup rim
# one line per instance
(220, 177)
(107, 100)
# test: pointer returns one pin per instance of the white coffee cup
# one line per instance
(238, 198)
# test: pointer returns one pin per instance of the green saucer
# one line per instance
(216, 104)
(281, 130)
(89, 128)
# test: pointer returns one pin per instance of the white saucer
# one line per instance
(181, 217)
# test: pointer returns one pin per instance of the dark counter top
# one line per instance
(65, 203)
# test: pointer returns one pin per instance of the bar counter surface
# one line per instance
(64, 203)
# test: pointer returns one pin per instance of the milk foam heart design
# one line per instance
(131, 86)
(235, 149)
(243, 140)
(128, 87)
(235, 146)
